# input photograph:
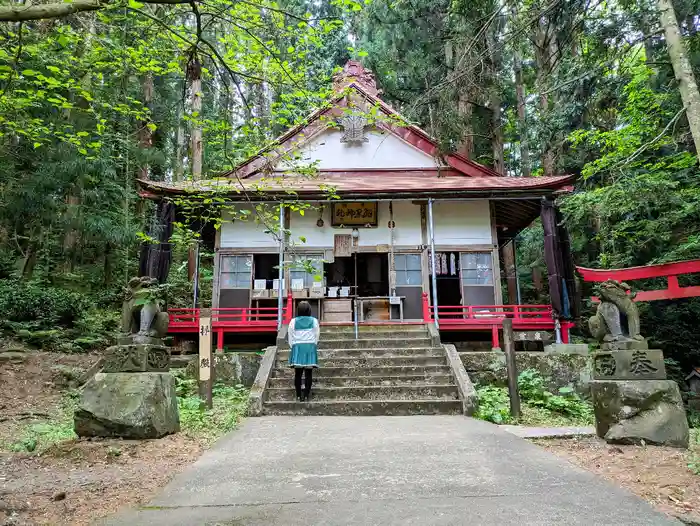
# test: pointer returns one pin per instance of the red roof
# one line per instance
(370, 182)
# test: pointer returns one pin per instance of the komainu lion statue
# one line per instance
(141, 313)
(607, 323)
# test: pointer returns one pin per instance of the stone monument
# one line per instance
(134, 395)
(633, 401)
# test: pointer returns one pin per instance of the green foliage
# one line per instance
(230, 405)
(45, 307)
(693, 419)
(694, 455)
(53, 318)
(539, 405)
(494, 405)
(41, 436)
(533, 391)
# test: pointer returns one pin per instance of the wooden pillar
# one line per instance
(206, 363)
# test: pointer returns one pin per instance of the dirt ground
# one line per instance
(659, 475)
(76, 481)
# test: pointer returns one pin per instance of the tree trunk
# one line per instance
(179, 172)
(465, 110)
(508, 254)
(682, 69)
(145, 133)
(495, 99)
(194, 72)
(107, 267)
(543, 47)
(30, 256)
(522, 119)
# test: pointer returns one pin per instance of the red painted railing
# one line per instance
(244, 319)
(490, 317)
(529, 315)
(451, 318)
(486, 314)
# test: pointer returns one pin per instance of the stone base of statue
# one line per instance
(128, 405)
(134, 395)
(634, 403)
(625, 345)
(137, 358)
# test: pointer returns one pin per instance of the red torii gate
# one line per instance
(671, 271)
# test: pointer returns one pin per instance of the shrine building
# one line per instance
(390, 229)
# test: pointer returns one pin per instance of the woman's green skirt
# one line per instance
(303, 355)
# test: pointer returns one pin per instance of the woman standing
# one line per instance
(303, 334)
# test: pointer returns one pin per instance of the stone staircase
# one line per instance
(388, 370)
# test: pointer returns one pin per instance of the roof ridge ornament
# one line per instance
(354, 71)
(353, 129)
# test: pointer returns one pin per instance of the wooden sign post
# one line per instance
(206, 360)
(511, 368)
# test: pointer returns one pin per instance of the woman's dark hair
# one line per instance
(304, 309)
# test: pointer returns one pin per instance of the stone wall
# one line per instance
(231, 368)
(561, 369)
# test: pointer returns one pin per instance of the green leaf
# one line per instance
(133, 4)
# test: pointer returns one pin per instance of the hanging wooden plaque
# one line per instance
(354, 214)
(342, 246)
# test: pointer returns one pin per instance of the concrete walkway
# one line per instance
(422, 470)
(549, 432)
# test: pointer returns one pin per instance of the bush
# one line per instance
(54, 319)
(494, 404)
(539, 404)
(566, 402)
(230, 406)
(693, 419)
(44, 308)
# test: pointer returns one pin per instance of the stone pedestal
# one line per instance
(629, 365)
(567, 348)
(633, 401)
(137, 358)
(134, 397)
(636, 411)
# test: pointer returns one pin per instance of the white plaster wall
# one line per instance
(383, 150)
(462, 223)
(245, 234)
(305, 226)
(406, 233)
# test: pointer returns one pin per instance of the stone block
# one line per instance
(132, 339)
(637, 411)
(559, 369)
(533, 336)
(136, 358)
(467, 393)
(625, 345)
(231, 368)
(128, 405)
(629, 365)
(567, 348)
